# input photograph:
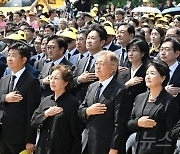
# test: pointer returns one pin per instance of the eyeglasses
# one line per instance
(166, 48)
(51, 47)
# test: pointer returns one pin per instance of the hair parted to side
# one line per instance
(67, 74)
(111, 55)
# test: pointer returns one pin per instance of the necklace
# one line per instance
(152, 99)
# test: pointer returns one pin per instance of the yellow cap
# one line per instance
(145, 16)
(23, 152)
(158, 16)
(68, 34)
(89, 14)
(74, 30)
(101, 19)
(43, 18)
(163, 19)
(110, 30)
(152, 14)
(20, 35)
(107, 23)
(168, 16)
(95, 9)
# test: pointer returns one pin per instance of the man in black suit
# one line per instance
(169, 52)
(84, 73)
(105, 109)
(19, 97)
(56, 48)
(125, 33)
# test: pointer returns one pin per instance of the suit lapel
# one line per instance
(107, 92)
(176, 76)
(143, 103)
(21, 80)
(92, 95)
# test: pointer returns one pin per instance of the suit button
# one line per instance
(47, 139)
(48, 130)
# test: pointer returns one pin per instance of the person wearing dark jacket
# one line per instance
(57, 118)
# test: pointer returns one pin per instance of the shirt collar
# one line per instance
(106, 82)
(19, 73)
(108, 46)
(58, 61)
(174, 66)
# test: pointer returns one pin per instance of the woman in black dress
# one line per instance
(60, 127)
(154, 113)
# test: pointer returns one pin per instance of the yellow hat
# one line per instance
(20, 35)
(68, 34)
(166, 27)
(102, 19)
(152, 14)
(163, 19)
(145, 16)
(74, 30)
(23, 152)
(89, 14)
(107, 23)
(151, 18)
(43, 18)
(159, 25)
(95, 9)
(110, 30)
(158, 16)
(168, 16)
(145, 24)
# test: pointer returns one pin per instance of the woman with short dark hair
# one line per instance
(56, 117)
(154, 113)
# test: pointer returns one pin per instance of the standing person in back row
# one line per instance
(19, 97)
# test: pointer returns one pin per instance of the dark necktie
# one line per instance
(69, 55)
(88, 66)
(122, 57)
(96, 96)
(50, 70)
(11, 85)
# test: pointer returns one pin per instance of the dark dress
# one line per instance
(164, 111)
(61, 133)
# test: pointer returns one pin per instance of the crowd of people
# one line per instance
(89, 80)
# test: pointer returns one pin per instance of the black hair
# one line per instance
(142, 45)
(51, 27)
(162, 68)
(84, 31)
(19, 13)
(23, 49)
(100, 30)
(130, 28)
(30, 28)
(60, 41)
(175, 43)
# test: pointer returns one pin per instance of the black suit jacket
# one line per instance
(125, 76)
(16, 116)
(45, 89)
(79, 90)
(165, 113)
(61, 133)
(176, 131)
(108, 130)
(114, 47)
(175, 80)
